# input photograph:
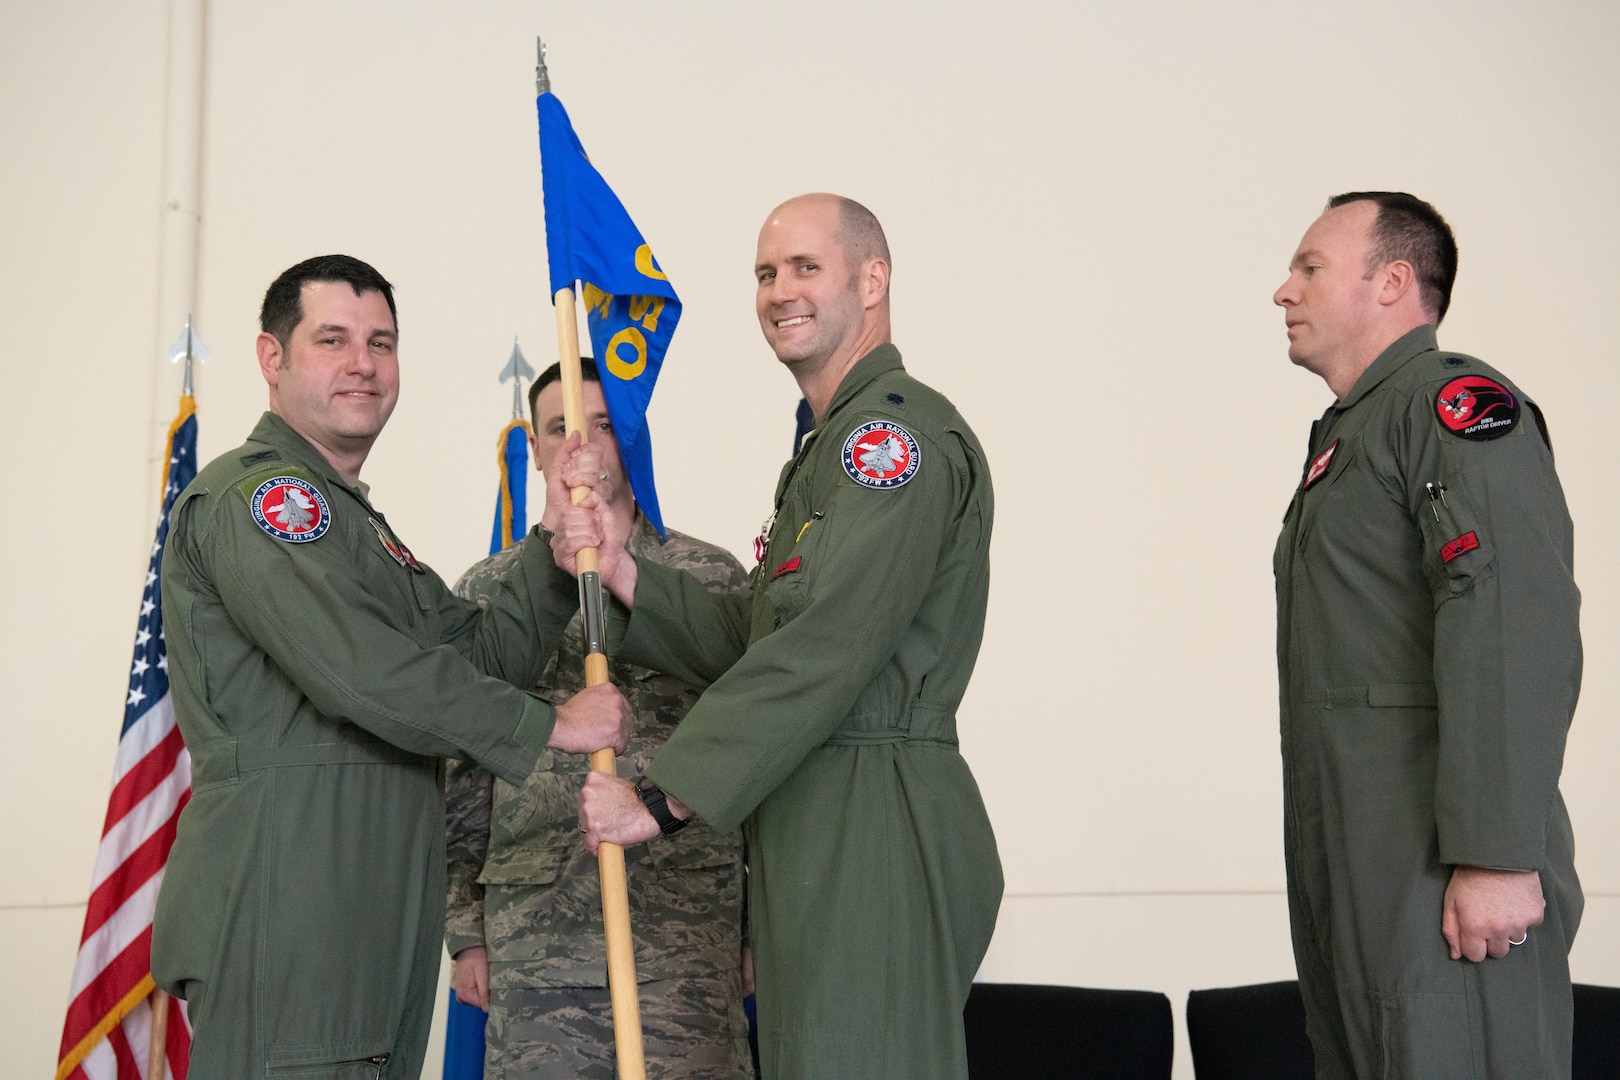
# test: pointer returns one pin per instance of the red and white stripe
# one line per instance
(110, 1010)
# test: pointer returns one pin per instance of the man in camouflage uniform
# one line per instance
(525, 907)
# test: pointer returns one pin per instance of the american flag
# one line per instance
(109, 1020)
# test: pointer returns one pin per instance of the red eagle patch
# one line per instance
(1476, 408)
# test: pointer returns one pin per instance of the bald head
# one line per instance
(822, 272)
(859, 232)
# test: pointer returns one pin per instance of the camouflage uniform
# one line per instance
(522, 884)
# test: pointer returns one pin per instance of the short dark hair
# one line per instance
(283, 306)
(587, 372)
(862, 234)
(1409, 228)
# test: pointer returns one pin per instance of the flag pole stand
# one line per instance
(609, 857)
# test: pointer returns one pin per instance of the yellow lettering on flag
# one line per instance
(646, 309)
(632, 337)
(598, 301)
(644, 263)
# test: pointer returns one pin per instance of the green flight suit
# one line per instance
(317, 685)
(830, 730)
(522, 884)
(1429, 659)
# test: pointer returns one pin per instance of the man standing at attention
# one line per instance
(525, 907)
(1429, 658)
(829, 729)
(320, 673)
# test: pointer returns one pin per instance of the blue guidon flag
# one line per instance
(630, 307)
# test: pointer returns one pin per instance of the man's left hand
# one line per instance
(611, 811)
(1488, 910)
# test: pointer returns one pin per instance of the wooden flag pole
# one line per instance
(609, 857)
(157, 1046)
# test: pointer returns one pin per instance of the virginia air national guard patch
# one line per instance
(1476, 408)
(881, 455)
(290, 509)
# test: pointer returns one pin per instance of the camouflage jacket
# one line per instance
(544, 928)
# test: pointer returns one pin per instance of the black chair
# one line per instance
(1028, 1032)
(1259, 1031)
(1597, 1033)
(1249, 1033)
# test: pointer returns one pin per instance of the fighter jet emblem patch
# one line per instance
(290, 509)
(881, 455)
(398, 551)
(1318, 466)
(1476, 408)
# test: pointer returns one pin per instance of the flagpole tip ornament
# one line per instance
(188, 347)
(517, 369)
(542, 78)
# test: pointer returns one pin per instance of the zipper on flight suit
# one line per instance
(381, 1062)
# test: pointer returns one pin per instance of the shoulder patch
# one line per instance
(1476, 408)
(290, 509)
(881, 454)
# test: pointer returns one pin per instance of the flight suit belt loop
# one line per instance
(925, 723)
(211, 769)
(1376, 696)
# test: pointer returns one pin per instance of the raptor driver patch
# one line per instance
(290, 509)
(1476, 408)
(881, 455)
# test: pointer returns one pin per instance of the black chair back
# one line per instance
(1247, 1032)
(1067, 1033)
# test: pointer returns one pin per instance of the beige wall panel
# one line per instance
(1090, 206)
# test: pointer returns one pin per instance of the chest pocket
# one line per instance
(799, 544)
(1308, 500)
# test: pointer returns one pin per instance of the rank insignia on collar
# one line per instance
(290, 509)
(400, 553)
(1476, 408)
(880, 454)
(1318, 466)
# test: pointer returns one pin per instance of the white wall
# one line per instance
(1089, 205)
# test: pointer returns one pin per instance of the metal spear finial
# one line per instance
(517, 369)
(188, 347)
(542, 78)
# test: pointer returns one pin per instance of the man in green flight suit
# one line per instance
(525, 905)
(829, 724)
(1429, 658)
(321, 674)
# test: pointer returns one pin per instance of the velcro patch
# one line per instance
(1466, 542)
(881, 454)
(1318, 466)
(290, 509)
(789, 567)
(1476, 408)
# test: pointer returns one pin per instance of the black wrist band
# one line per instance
(653, 798)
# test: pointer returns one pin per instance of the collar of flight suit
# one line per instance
(273, 431)
(883, 359)
(1420, 339)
